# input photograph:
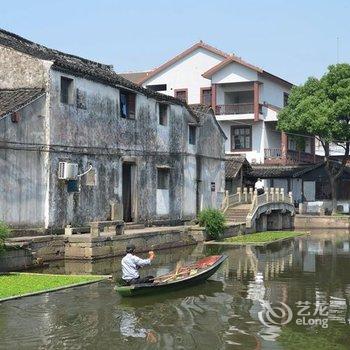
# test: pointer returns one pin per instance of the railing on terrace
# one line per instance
(274, 156)
(237, 108)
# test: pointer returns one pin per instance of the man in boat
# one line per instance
(132, 263)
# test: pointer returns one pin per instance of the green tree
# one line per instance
(321, 108)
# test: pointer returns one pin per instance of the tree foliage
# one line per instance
(321, 108)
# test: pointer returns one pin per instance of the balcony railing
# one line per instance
(237, 108)
(274, 156)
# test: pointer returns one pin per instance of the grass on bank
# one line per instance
(263, 237)
(19, 284)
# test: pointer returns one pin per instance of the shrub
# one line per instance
(4, 233)
(214, 222)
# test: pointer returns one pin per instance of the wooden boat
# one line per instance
(180, 278)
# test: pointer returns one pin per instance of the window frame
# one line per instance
(194, 128)
(202, 89)
(233, 128)
(157, 87)
(70, 90)
(128, 114)
(166, 117)
(166, 172)
(181, 90)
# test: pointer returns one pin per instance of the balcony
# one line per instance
(236, 108)
(275, 156)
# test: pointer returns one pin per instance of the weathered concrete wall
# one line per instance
(104, 139)
(306, 222)
(16, 260)
(92, 132)
(20, 70)
(44, 248)
(211, 150)
(23, 180)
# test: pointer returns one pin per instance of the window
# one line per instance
(66, 90)
(158, 87)
(241, 138)
(292, 143)
(206, 96)
(127, 104)
(191, 134)
(323, 189)
(163, 179)
(181, 94)
(285, 99)
(163, 114)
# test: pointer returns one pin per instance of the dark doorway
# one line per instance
(127, 192)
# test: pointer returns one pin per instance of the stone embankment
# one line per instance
(26, 252)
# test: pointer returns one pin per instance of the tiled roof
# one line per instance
(79, 66)
(200, 109)
(12, 100)
(279, 171)
(135, 77)
(233, 164)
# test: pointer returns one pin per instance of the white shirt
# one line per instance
(259, 185)
(130, 265)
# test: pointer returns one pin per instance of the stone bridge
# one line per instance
(272, 210)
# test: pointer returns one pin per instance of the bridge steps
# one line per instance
(237, 213)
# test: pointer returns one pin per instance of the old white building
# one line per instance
(150, 155)
(246, 100)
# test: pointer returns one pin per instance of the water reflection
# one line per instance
(219, 314)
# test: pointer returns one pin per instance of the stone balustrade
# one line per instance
(248, 195)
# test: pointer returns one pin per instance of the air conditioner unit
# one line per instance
(67, 171)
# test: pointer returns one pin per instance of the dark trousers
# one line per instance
(260, 191)
(147, 279)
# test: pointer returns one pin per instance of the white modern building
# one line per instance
(245, 98)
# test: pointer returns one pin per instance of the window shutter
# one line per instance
(132, 105)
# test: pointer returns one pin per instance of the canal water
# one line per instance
(291, 295)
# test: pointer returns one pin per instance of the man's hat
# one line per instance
(130, 248)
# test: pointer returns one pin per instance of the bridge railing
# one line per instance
(271, 195)
(243, 195)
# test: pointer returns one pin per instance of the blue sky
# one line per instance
(293, 39)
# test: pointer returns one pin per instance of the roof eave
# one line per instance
(232, 59)
(182, 55)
